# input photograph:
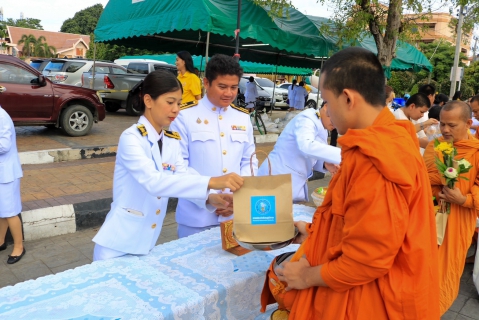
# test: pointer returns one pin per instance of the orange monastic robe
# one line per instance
(476, 135)
(375, 233)
(461, 221)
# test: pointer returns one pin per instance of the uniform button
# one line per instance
(221, 117)
(224, 151)
(222, 134)
(153, 226)
(225, 170)
(158, 211)
(214, 108)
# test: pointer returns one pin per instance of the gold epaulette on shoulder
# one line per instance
(239, 108)
(142, 129)
(317, 113)
(172, 134)
(188, 104)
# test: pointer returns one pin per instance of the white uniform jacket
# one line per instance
(10, 167)
(214, 141)
(301, 146)
(143, 181)
(251, 92)
(299, 94)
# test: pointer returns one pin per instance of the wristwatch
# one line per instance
(422, 126)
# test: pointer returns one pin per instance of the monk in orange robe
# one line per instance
(370, 252)
(464, 198)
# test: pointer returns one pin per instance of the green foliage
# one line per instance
(113, 52)
(29, 23)
(84, 21)
(401, 82)
(36, 46)
(471, 78)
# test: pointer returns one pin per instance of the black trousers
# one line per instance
(334, 138)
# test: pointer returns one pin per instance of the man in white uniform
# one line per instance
(251, 93)
(302, 146)
(216, 139)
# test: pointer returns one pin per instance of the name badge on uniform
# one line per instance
(238, 128)
(168, 167)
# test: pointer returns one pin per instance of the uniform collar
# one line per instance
(153, 136)
(211, 107)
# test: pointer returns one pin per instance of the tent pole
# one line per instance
(317, 97)
(207, 47)
(237, 32)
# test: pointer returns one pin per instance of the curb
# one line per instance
(67, 154)
(69, 218)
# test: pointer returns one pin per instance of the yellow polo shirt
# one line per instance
(191, 86)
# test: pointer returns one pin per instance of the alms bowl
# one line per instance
(266, 246)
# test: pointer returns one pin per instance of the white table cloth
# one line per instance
(189, 278)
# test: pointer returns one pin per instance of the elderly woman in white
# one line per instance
(10, 202)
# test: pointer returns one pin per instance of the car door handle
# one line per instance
(2, 89)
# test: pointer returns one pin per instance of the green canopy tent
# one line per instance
(407, 56)
(248, 67)
(209, 26)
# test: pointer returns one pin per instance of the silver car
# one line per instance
(70, 71)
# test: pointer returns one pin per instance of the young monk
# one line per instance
(455, 122)
(370, 252)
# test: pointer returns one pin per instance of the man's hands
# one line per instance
(300, 275)
(303, 234)
(222, 201)
(333, 168)
(231, 181)
(452, 195)
(429, 122)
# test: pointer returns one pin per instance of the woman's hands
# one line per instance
(230, 181)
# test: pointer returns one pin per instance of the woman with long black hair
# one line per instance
(188, 78)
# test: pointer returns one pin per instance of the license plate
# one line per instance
(266, 104)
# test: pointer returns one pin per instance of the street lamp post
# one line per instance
(237, 32)
(457, 52)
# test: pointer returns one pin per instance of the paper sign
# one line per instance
(263, 210)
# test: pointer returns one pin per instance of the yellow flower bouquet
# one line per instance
(449, 168)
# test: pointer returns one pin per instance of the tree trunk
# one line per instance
(386, 43)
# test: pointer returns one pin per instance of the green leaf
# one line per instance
(464, 178)
(436, 143)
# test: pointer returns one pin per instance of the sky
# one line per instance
(52, 13)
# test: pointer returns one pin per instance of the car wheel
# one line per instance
(133, 106)
(112, 106)
(76, 120)
(311, 104)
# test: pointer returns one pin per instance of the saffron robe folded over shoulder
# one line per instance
(461, 222)
(375, 233)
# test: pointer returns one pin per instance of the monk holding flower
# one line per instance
(463, 197)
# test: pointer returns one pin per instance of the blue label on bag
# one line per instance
(263, 210)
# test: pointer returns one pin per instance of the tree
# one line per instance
(28, 42)
(29, 23)
(36, 47)
(42, 49)
(471, 78)
(84, 21)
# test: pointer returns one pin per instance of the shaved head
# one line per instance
(466, 111)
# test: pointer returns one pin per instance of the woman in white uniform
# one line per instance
(299, 94)
(250, 94)
(291, 96)
(10, 201)
(149, 168)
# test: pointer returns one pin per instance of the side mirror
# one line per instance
(41, 80)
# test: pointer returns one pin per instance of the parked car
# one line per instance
(115, 87)
(264, 97)
(313, 97)
(280, 95)
(40, 63)
(32, 99)
(69, 71)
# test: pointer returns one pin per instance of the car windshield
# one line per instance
(265, 82)
(36, 64)
(55, 66)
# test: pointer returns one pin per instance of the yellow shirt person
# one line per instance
(190, 81)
